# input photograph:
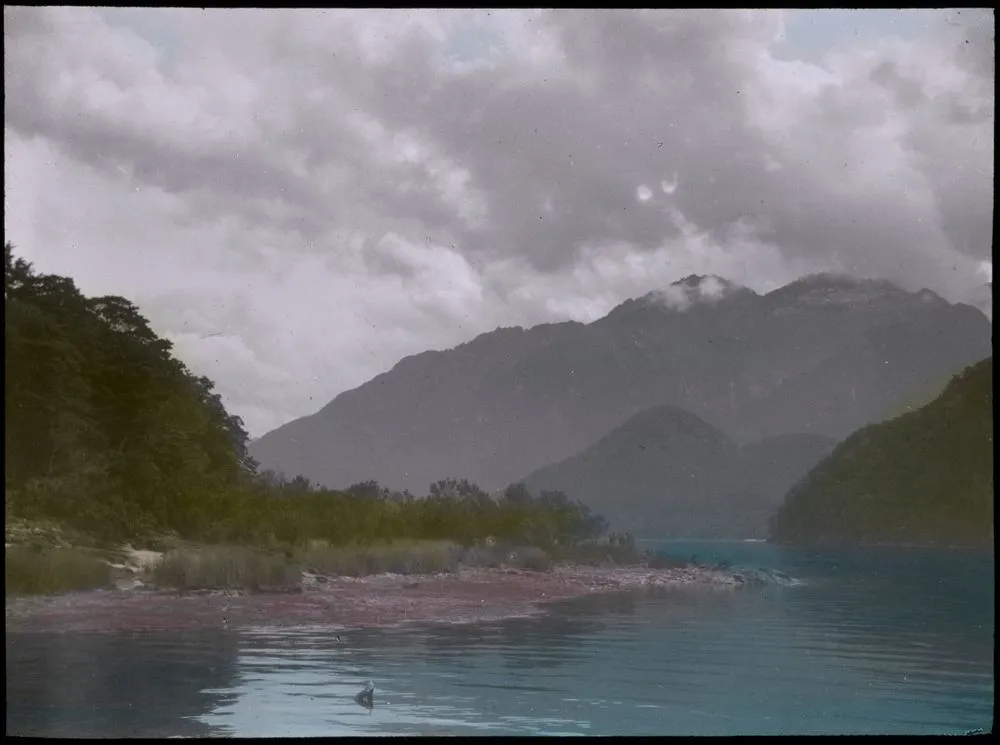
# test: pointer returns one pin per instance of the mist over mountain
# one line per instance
(923, 477)
(823, 355)
(666, 473)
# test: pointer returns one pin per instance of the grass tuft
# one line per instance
(410, 557)
(34, 570)
(223, 568)
(594, 553)
(529, 557)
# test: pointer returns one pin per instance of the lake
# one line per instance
(886, 640)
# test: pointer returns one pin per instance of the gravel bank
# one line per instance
(342, 602)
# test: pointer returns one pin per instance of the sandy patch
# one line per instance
(140, 560)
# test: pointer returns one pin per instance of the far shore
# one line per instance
(339, 603)
(980, 546)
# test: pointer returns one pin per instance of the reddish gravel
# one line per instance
(342, 602)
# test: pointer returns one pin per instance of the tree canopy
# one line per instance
(103, 424)
(107, 431)
(924, 477)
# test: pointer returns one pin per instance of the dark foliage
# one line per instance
(107, 432)
(924, 477)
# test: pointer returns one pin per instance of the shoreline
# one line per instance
(983, 547)
(344, 603)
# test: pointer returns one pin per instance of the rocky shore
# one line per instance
(466, 596)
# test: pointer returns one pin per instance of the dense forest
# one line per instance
(107, 432)
(925, 477)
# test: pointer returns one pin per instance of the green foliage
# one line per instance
(924, 477)
(104, 428)
(531, 558)
(32, 570)
(404, 557)
(108, 433)
(916, 399)
(618, 549)
(224, 567)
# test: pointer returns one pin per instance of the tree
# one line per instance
(102, 423)
(517, 494)
(300, 484)
(459, 490)
(367, 490)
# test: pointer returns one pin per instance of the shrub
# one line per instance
(530, 558)
(224, 567)
(596, 553)
(162, 542)
(405, 557)
(35, 570)
(488, 556)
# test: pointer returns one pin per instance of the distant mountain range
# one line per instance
(665, 473)
(824, 355)
(925, 477)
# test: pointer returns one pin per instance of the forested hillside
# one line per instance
(924, 477)
(823, 355)
(106, 431)
(103, 425)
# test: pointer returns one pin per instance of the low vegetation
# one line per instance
(111, 439)
(47, 534)
(237, 567)
(33, 570)
(43, 565)
(224, 567)
(404, 557)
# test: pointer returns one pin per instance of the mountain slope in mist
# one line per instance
(923, 477)
(822, 355)
(666, 473)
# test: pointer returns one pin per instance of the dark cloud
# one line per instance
(428, 175)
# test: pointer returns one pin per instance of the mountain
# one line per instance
(824, 355)
(982, 297)
(924, 477)
(771, 466)
(666, 473)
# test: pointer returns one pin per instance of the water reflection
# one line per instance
(366, 696)
(117, 685)
(859, 648)
(946, 649)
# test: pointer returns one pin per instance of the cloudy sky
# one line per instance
(298, 199)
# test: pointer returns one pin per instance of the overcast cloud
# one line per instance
(298, 199)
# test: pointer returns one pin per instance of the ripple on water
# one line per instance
(822, 658)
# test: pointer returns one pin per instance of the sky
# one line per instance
(299, 199)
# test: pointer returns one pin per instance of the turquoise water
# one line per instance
(874, 641)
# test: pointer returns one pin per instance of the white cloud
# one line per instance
(300, 198)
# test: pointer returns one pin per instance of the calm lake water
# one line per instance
(873, 641)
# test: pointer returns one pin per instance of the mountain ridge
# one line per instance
(667, 473)
(512, 400)
(925, 476)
